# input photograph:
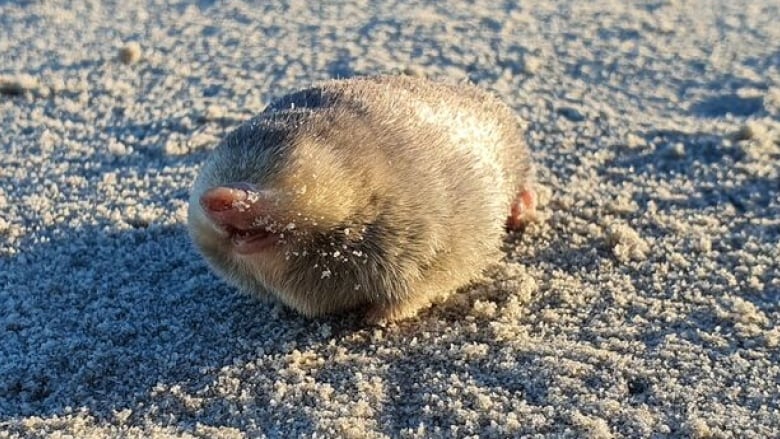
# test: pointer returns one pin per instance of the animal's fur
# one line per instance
(389, 191)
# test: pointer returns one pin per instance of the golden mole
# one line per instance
(383, 192)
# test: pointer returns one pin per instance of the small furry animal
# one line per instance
(383, 192)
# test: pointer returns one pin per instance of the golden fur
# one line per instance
(389, 191)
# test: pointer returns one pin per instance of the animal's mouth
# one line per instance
(235, 210)
(251, 241)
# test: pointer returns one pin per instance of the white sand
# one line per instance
(646, 305)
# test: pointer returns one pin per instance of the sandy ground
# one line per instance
(645, 305)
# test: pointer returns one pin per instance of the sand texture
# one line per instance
(646, 304)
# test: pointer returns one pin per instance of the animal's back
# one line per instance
(458, 131)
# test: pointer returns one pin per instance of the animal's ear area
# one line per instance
(238, 205)
(523, 209)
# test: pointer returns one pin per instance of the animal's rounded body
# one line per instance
(384, 192)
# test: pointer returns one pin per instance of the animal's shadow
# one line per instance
(98, 320)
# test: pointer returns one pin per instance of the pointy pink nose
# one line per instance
(223, 197)
(237, 205)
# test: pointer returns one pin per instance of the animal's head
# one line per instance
(285, 211)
